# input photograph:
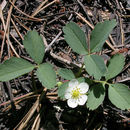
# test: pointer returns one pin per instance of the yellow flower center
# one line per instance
(76, 93)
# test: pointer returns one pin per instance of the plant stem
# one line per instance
(102, 82)
(80, 71)
(33, 82)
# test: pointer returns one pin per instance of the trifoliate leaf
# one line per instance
(66, 73)
(119, 95)
(34, 45)
(62, 89)
(13, 68)
(115, 66)
(76, 38)
(100, 34)
(46, 75)
(96, 96)
(95, 66)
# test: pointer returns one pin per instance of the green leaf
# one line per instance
(66, 74)
(119, 95)
(13, 68)
(115, 66)
(100, 34)
(46, 75)
(75, 37)
(62, 89)
(95, 66)
(82, 79)
(87, 80)
(34, 45)
(96, 96)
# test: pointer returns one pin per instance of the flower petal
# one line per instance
(82, 100)
(72, 84)
(72, 103)
(83, 87)
(67, 95)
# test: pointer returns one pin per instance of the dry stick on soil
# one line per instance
(27, 117)
(25, 27)
(17, 41)
(54, 1)
(87, 22)
(24, 18)
(110, 4)
(36, 122)
(38, 8)
(58, 57)
(51, 53)
(6, 33)
(122, 8)
(84, 9)
(37, 19)
(121, 28)
(58, 17)
(52, 97)
(10, 95)
(20, 100)
(112, 40)
(10, 44)
(22, 124)
(45, 41)
(16, 29)
(2, 18)
(5, 26)
(64, 60)
(51, 94)
(127, 9)
(124, 80)
(57, 36)
(3, 4)
(118, 5)
(3, 93)
(125, 16)
(3, 37)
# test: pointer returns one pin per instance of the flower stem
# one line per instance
(102, 82)
(33, 82)
(80, 71)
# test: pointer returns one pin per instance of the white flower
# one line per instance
(76, 93)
